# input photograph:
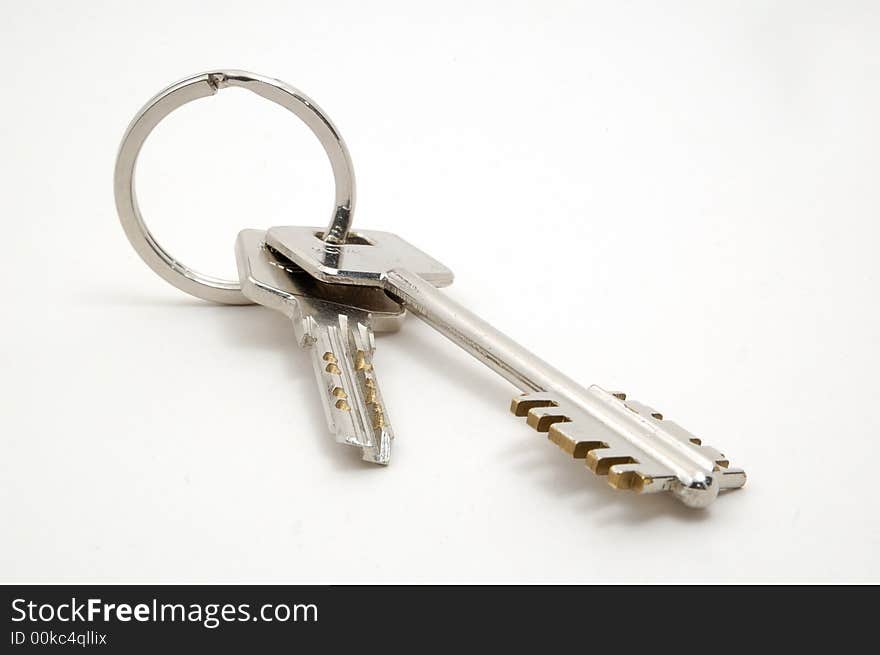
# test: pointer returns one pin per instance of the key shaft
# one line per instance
(335, 325)
(516, 364)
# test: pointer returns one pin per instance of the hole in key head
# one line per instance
(353, 239)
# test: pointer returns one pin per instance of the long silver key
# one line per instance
(628, 441)
(335, 323)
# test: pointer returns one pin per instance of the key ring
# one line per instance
(171, 269)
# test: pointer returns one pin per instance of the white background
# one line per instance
(680, 201)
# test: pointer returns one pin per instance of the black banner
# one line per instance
(135, 619)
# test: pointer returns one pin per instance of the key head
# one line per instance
(363, 260)
(272, 281)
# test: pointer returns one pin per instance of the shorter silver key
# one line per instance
(335, 323)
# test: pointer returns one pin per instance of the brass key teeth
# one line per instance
(601, 460)
(577, 449)
(632, 444)
(521, 405)
(628, 476)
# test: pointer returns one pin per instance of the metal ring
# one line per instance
(169, 268)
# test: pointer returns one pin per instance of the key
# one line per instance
(629, 442)
(335, 323)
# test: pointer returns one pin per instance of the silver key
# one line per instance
(629, 442)
(335, 323)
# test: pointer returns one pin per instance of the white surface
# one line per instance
(687, 199)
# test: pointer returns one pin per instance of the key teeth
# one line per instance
(600, 460)
(731, 478)
(577, 448)
(541, 419)
(642, 409)
(607, 452)
(640, 478)
(629, 477)
(343, 362)
(676, 430)
(521, 405)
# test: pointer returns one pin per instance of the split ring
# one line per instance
(172, 270)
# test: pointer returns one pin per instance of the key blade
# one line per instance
(335, 323)
(342, 359)
(632, 444)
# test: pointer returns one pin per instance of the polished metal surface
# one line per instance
(631, 443)
(209, 287)
(338, 336)
(363, 260)
(338, 286)
(653, 451)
